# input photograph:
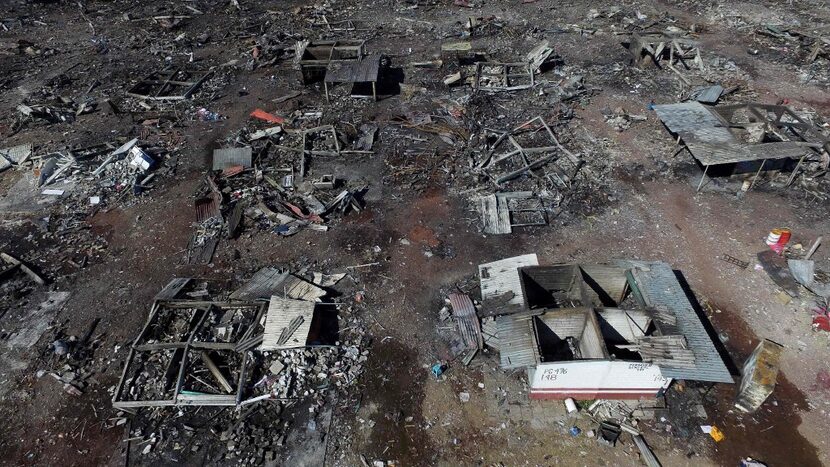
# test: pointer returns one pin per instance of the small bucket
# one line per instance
(774, 237)
(570, 405)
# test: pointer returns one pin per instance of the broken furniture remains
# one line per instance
(658, 47)
(745, 136)
(169, 84)
(495, 76)
(314, 58)
(15, 155)
(91, 172)
(501, 212)
(9, 264)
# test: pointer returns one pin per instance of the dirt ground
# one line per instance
(419, 233)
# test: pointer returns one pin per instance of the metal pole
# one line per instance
(795, 170)
(705, 169)
(756, 175)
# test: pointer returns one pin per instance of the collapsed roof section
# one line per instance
(621, 331)
(199, 351)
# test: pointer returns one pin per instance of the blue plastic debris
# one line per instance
(438, 370)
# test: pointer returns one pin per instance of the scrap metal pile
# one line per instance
(805, 48)
(271, 178)
(103, 174)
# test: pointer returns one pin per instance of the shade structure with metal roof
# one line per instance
(709, 133)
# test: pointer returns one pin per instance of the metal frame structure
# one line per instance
(657, 47)
(183, 351)
(315, 57)
(506, 74)
(548, 153)
(708, 133)
(169, 84)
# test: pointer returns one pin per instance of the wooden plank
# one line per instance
(20, 264)
(216, 372)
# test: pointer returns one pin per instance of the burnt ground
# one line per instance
(643, 205)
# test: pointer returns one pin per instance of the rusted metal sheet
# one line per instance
(207, 208)
(465, 317)
(760, 374)
(210, 205)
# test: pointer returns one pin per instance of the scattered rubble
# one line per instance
(353, 124)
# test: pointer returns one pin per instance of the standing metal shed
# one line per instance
(709, 134)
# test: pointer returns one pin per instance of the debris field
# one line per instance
(414, 232)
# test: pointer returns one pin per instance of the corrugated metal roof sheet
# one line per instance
(17, 154)
(708, 138)
(468, 324)
(694, 120)
(660, 289)
(501, 277)
(517, 347)
(281, 311)
(270, 281)
(709, 95)
(490, 333)
(210, 205)
(295, 287)
(361, 71)
(207, 208)
(262, 284)
(229, 157)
